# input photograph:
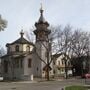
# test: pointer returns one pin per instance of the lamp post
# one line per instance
(83, 67)
(74, 72)
(65, 60)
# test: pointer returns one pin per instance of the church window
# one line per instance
(29, 63)
(58, 68)
(62, 62)
(17, 63)
(17, 48)
(62, 70)
(5, 66)
(54, 62)
(54, 71)
(28, 48)
(68, 63)
(21, 63)
(58, 62)
(8, 49)
(37, 68)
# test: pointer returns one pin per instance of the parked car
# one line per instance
(87, 75)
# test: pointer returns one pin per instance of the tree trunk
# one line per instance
(66, 70)
(48, 62)
(47, 72)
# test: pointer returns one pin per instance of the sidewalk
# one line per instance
(51, 79)
(26, 82)
(36, 80)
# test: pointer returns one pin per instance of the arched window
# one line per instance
(68, 63)
(17, 48)
(8, 49)
(29, 62)
(5, 66)
(62, 62)
(28, 48)
(58, 62)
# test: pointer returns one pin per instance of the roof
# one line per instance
(57, 55)
(21, 40)
(42, 19)
(16, 55)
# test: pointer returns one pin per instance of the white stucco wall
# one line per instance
(41, 50)
(59, 59)
(25, 47)
(22, 47)
(12, 47)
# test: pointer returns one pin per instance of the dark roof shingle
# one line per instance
(21, 40)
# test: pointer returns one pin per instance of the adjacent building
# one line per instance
(61, 66)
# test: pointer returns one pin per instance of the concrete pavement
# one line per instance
(40, 84)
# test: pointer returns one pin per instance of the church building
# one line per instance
(24, 59)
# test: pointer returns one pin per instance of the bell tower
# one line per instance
(42, 40)
(42, 30)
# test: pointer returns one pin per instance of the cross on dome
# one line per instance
(22, 33)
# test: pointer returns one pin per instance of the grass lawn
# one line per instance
(75, 88)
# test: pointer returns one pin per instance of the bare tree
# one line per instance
(3, 23)
(30, 35)
(80, 43)
(68, 42)
(63, 44)
(2, 52)
(71, 43)
(80, 47)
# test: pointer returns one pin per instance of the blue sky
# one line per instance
(24, 13)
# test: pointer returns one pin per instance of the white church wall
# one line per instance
(18, 72)
(36, 65)
(21, 47)
(12, 47)
(25, 47)
(28, 71)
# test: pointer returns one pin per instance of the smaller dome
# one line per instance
(41, 19)
(42, 24)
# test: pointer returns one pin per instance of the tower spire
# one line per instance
(41, 9)
(41, 19)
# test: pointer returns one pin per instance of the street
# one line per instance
(45, 85)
